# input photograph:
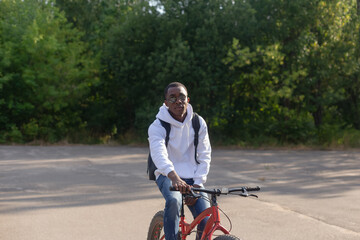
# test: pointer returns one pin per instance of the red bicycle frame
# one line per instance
(212, 224)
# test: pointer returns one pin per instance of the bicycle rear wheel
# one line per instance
(227, 237)
(156, 231)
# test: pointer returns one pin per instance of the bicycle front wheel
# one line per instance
(227, 237)
(156, 231)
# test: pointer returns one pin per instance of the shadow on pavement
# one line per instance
(34, 178)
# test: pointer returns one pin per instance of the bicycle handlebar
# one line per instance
(224, 191)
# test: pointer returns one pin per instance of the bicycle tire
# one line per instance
(227, 237)
(156, 226)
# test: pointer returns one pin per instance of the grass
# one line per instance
(327, 138)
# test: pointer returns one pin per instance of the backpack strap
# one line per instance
(166, 125)
(196, 126)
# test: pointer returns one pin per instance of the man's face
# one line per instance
(177, 102)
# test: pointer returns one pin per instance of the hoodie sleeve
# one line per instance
(158, 151)
(204, 154)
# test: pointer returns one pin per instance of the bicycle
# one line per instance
(213, 224)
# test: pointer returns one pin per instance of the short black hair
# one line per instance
(174, 84)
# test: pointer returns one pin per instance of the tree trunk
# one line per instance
(317, 115)
(354, 106)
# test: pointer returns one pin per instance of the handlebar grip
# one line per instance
(253, 189)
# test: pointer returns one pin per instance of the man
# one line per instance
(176, 164)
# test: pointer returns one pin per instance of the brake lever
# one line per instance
(253, 195)
(195, 195)
(246, 194)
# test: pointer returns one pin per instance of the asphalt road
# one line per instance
(101, 192)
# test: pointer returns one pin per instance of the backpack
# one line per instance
(196, 125)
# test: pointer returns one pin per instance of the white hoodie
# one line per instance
(180, 152)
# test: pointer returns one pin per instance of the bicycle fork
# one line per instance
(213, 223)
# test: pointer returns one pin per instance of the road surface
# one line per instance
(101, 192)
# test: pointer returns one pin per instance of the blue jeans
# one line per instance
(173, 206)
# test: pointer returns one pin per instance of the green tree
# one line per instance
(44, 71)
(348, 66)
(185, 41)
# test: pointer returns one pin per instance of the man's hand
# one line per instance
(178, 183)
(189, 200)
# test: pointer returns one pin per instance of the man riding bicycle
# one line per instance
(179, 164)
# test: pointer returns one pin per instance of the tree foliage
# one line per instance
(44, 72)
(258, 71)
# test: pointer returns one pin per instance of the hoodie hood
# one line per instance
(164, 115)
